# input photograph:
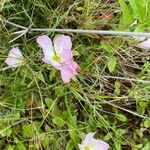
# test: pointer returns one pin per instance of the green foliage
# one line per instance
(126, 18)
(112, 63)
(140, 9)
(136, 10)
(121, 117)
(39, 111)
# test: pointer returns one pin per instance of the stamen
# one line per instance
(56, 58)
(87, 148)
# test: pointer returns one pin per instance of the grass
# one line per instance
(39, 111)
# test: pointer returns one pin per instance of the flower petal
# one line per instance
(73, 66)
(46, 44)
(88, 139)
(54, 64)
(66, 55)
(62, 43)
(14, 58)
(99, 145)
(66, 74)
(145, 44)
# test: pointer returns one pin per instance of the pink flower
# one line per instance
(15, 58)
(59, 55)
(89, 143)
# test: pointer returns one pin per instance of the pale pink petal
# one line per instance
(15, 52)
(145, 44)
(62, 43)
(66, 55)
(88, 139)
(14, 58)
(54, 64)
(66, 74)
(73, 66)
(99, 145)
(46, 44)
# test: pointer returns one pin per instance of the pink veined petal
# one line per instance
(73, 66)
(54, 64)
(14, 58)
(99, 145)
(66, 55)
(88, 139)
(66, 74)
(62, 43)
(46, 44)
(15, 52)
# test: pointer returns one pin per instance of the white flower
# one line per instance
(14, 58)
(89, 143)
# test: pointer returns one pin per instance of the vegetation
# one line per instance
(39, 111)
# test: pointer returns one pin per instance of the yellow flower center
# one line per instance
(87, 148)
(56, 58)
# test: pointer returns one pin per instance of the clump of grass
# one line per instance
(38, 111)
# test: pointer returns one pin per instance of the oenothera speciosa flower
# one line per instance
(90, 143)
(14, 58)
(59, 55)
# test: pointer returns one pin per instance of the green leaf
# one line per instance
(40, 76)
(108, 136)
(21, 146)
(6, 133)
(45, 141)
(142, 105)
(146, 147)
(147, 123)
(27, 130)
(107, 47)
(140, 9)
(72, 124)
(70, 145)
(49, 102)
(30, 129)
(112, 64)
(9, 147)
(118, 145)
(52, 74)
(58, 121)
(142, 27)
(121, 131)
(59, 90)
(121, 117)
(127, 18)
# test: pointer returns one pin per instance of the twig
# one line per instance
(22, 33)
(129, 111)
(128, 79)
(5, 68)
(103, 32)
(16, 25)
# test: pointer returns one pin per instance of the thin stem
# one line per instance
(127, 79)
(16, 25)
(103, 32)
